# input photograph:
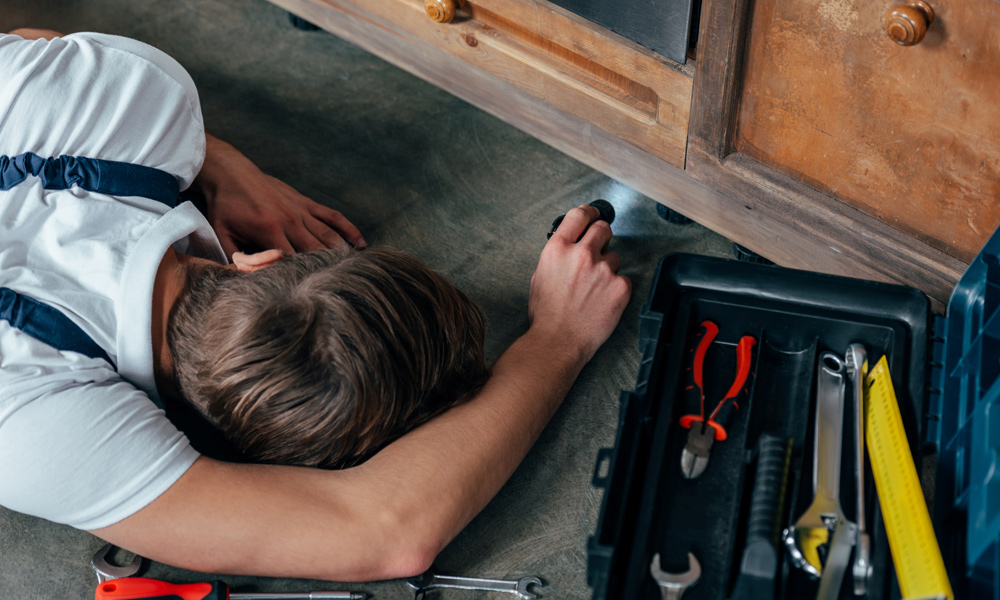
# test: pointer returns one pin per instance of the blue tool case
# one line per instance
(964, 426)
(946, 374)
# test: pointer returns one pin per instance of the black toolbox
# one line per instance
(948, 398)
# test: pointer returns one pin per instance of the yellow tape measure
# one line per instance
(915, 551)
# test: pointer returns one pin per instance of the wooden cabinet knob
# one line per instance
(907, 24)
(442, 11)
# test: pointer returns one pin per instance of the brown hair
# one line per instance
(324, 357)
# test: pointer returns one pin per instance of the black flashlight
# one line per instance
(607, 214)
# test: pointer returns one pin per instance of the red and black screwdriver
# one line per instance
(141, 588)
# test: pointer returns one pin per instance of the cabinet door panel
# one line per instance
(907, 134)
(539, 48)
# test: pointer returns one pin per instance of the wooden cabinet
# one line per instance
(798, 130)
(876, 231)
(538, 48)
(907, 134)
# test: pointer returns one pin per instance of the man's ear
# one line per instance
(247, 263)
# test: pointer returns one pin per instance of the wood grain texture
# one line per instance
(624, 89)
(829, 236)
(719, 77)
(785, 220)
(908, 135)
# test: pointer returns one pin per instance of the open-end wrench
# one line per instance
(673, 585)
(106, 571)
(519, 587)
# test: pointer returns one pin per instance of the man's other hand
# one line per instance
(248, 208)
(576, 294)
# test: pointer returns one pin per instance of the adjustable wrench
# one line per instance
(811, 533)
(519, 587)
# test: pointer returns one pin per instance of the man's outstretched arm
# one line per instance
(390, 516)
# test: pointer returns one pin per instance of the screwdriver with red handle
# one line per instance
(141, 588)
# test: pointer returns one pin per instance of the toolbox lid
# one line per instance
(967, 495)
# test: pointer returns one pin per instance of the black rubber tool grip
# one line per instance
(759, 566)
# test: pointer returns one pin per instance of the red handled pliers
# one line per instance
(704, 430)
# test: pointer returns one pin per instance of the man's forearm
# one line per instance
(464, 456)
(384, 519)
(390, 516)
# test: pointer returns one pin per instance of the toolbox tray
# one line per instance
(648, 507)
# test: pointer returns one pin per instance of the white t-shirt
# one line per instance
(81, 442)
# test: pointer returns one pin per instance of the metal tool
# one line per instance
(114, 582)
(519, 587)
(856, 361)
(837, 560)
(673, 586)
(811, 533)
(705, 430)
(759, 565)
(106, 571)
(139, 588)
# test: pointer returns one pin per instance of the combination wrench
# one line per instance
(857, 367)
(430, 580)
(673, 585)
(106, 571)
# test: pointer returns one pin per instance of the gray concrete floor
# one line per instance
(420, 170)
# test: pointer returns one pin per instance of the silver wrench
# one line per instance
(106, 571)
(673, 585)
(812, 531)
(519, 587)
(857, 367)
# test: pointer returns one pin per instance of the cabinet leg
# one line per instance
(744, 254)
(300, 23)
(670, 215)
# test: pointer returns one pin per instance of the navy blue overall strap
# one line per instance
(92, 174)
(47, 324)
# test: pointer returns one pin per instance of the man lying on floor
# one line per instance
(115, 303)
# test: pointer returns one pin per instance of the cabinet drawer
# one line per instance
(907, 134)
(564, 60)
